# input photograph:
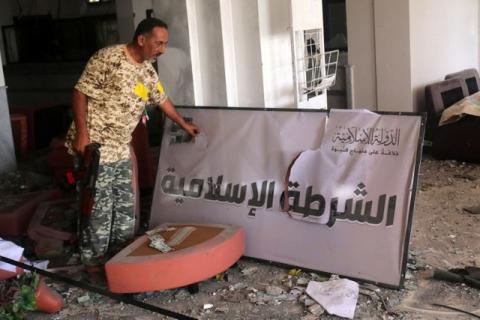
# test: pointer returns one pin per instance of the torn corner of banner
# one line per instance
(313, 207)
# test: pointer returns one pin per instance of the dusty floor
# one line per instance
(443, 236)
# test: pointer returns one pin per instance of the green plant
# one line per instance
(22, 299)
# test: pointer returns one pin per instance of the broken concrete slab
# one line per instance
(17, 210)
(54, 219)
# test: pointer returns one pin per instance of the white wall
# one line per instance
(392, 53)
(277, 69)
(248, 53)
(246, 50)
(379, 51)
(398, 47)
(444, 39)
(206, 47)
(361, 52)
(174, 66)
(2, 78)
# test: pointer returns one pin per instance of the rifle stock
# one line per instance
(87, 170)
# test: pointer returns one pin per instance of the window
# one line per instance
(315, 69)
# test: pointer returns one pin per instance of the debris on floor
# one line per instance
(336, 296)
(443, 235)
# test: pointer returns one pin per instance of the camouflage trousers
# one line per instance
(111, 223)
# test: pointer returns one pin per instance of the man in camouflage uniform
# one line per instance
(108, 102)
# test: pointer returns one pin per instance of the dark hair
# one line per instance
(146, 26)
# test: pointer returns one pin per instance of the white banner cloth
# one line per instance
(355, 173)
(11, 251)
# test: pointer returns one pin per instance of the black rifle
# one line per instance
(86, 172)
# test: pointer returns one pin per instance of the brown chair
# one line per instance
(456, 141)
(441, 95)
(470, 77)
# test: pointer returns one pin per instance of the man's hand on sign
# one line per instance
(191, 128)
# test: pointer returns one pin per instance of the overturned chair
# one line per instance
(455, 140)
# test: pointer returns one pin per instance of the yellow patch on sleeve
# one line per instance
(160, 88)
(141, 91)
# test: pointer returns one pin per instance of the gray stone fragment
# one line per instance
(273, 290)
(237, 286)
(221, 309)
(83, 299)
(316, 309)
(302, 281)
(249, 271)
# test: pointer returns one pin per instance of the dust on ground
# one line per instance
(444, 236)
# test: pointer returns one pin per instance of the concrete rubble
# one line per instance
(443, 236)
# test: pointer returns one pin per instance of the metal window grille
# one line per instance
(315, 69)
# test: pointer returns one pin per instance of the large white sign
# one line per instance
(326, 193)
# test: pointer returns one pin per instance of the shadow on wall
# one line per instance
(174, 71)
(174, 66)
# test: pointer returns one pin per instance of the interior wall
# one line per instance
(140, 8)
(248, 57)
(276, 52)
(2, 77)
(7, 151)
(392, 53)
(5, 19)
(208, 68)
(361, 52)
(60, 9)
(129, 14)
(379, 51)
(174, 66)
(124, 10)
(445, 40)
